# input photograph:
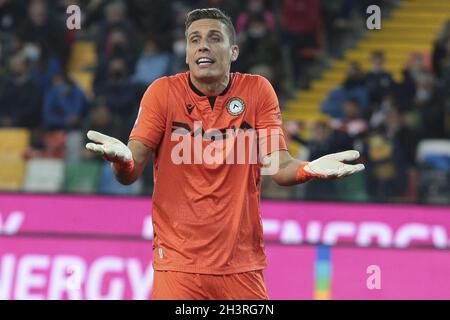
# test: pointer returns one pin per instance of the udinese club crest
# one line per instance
(235, 106)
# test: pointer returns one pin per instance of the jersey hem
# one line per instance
(199, 270)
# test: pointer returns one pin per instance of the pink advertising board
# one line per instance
(88, 247)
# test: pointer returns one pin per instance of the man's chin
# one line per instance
(207, 75)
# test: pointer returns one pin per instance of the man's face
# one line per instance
(209, 52)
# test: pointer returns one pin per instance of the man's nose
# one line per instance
(204, 46)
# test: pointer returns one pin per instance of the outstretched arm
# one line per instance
(291, 171)
(127, 162)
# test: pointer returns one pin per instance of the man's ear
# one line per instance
(234, 52)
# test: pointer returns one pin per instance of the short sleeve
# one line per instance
(151, 119)
(268, 120)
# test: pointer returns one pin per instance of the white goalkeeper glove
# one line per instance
(330, 166)
(111, 149)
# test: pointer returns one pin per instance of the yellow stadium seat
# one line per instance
(411, 27)
(14, 142)
(85, 80)
(83, 55)
(12, 172)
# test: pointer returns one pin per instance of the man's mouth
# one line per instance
(204, 62)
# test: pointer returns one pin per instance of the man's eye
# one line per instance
(215, 39)
(194, 40)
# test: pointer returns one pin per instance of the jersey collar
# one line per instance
(201, 94)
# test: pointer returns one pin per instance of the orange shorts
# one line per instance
(172, 285)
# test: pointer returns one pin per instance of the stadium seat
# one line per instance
(433, 157)
(44, 175)
(434, 153)
(11, 174)
(109, 185)
(14, 143)
(85, 80)
(83, 56)
(82, 176)
(74, 145)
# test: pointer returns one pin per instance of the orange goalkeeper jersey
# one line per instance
(206, 198)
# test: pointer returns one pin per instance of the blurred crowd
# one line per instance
(385, 120)
(138, 41)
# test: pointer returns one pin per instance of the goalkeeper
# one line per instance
(208, 237)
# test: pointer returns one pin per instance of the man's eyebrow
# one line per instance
(193, 33)
(215, 31)
(210, 31)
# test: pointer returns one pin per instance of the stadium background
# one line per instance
(68, 230)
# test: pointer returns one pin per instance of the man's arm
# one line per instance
(292, 171)
(141, 153)
(127, 162)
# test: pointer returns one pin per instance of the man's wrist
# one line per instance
(123, 167)
(303, 175)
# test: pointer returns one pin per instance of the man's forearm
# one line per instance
(128, 173)
(287, 173)
(330, 166)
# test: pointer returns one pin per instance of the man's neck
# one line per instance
(213, 88)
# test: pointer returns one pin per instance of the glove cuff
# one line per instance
(125, 167)
(303, 176)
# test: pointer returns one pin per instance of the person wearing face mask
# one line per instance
(64, 104)
(115, 18)
(41, 26)
(260, 49)
(16, 108)
(379, 81)
(118, 90)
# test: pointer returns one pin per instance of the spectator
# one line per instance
(255, 7)
(441, 52)
(379, 82)
(14, 45)
(352, 122)
(64, 105)
(117, 46)
(41, 27)
(390, 151)
(429, 103)
(230, 7)
(415, 69)
(301, 27)
(10, 14)
(21, 98)
(45, 65)
(93, 11)
(154, 17)
(260, 47)
(152, 64)
(120, 94)
(115, 19)
(353, 87)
